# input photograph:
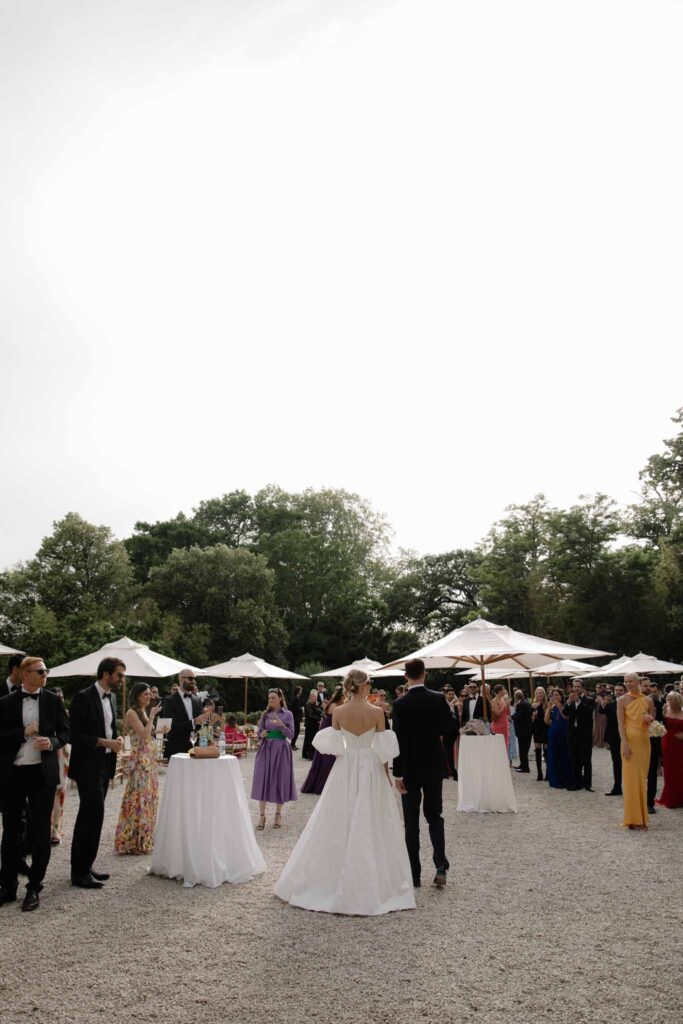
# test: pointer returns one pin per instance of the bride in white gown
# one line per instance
(351, 858)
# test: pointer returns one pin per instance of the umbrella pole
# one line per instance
(246, 684)
(483, 692)
(123, 709)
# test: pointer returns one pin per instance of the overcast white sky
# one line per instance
(427, 251)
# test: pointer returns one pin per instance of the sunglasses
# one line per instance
(40, 671)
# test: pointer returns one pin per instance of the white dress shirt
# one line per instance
(473, 706)
(27, 753)
(108, 712)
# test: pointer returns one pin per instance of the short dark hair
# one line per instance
(107, 665)
(14, 661)
(415, 668)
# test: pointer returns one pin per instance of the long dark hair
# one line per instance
(278, 691)
(337, 697)
(135, 691)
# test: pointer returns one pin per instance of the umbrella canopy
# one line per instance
(565, 667)
(373, 668)
(138, 659)
(484, 644)
(247, 667)
(640, 663)
(7, 651)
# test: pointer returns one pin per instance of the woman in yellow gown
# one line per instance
(635, 711)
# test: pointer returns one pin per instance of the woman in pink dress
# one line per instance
(500, 714)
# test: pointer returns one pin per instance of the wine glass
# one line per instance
(193, 738)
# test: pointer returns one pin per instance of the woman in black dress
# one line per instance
(539, 728)
(312, 715)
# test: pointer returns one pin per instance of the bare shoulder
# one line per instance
(380, 720)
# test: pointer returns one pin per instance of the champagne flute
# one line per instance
(193, 738)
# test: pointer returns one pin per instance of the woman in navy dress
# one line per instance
(323, 763)
(559, 762)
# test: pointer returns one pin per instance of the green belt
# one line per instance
(275, 734)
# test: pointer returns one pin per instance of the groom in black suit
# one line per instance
(421, 718)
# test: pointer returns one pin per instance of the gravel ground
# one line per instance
(553, 912)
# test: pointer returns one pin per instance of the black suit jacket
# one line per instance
(87, 726)
(478, 710)
(52, 722)
(420, 718)
(178, 739)
(522, 718)
(612, 727)
(580, 715)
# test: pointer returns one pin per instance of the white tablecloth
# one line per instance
(204, 834)
(484, 781)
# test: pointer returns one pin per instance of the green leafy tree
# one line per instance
(658, 517)
(227, 592)
(431, 595)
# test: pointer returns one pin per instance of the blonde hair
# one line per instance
(354, 680)
(675, 699)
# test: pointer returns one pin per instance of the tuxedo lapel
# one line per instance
(96, 702)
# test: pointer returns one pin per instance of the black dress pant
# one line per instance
(615, 753)
(92, 792)
(310, 731)
(26, 787)
(429, 795)
(523, 744)
(581, 752)
(653, 770)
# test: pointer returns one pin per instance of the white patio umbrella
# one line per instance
(643, 664)
(138, 659)
(247, 667)
(6, 651)
(482, 644)
(373, 668)
(565, 667)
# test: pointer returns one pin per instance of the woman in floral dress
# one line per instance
(138, 815)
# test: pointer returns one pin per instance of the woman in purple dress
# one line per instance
(322, 763)
(273, 781)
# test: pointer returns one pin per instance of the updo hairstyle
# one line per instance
(354, 681)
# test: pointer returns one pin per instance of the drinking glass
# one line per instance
(193, 737)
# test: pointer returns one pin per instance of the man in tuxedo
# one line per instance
(184, 709)
(580, 710)
(33, 726)
(521, 723)
(322, 694)
(473, 705)
(13, 681)
(421, 719)
(612, 737)
(95, 744)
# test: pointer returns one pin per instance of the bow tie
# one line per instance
(106, 696)
(32, 696)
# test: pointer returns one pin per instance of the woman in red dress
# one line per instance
(672, 752)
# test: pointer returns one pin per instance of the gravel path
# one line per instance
(555, 912)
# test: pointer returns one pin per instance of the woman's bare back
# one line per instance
(358, 717)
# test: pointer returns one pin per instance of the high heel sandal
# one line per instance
(278, 820)
(261, 823)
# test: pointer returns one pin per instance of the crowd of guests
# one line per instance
(42, 746)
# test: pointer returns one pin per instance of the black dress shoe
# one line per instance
(440, 878)
(589, 789)
(614, 792)
(651, 810)
(7, 896)
(99, 876)
(86, 882)
(523, 771)
(31, 901)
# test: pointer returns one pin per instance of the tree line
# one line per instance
(309, 580)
